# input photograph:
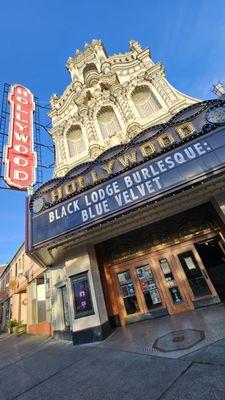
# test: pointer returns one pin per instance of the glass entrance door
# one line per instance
(195, 275)
(149, 288)
(137, 289)
(173, 280)
(213, 257)
(128, 292)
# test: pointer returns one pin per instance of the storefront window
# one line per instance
(82, 295)
(128, 292)
(148, 286)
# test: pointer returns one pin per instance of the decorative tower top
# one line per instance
(110, 100)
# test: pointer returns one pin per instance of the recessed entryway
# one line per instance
(213, 258)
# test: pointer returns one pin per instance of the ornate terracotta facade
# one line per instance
(108, 102)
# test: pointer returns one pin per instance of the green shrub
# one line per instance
(19, 329)
(11, 323)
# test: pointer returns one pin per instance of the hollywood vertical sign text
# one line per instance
(19, 156)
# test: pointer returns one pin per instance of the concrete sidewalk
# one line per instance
(36, 368)
(58, 370)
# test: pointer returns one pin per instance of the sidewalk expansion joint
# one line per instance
(175, 381)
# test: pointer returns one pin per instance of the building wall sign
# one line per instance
(19, 156)
(55, 210)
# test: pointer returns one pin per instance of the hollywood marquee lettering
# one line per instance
(130, 188)
(19, 156)
(120, 164)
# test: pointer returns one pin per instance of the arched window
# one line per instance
(145, 101)
(76, 143)
(108, 122)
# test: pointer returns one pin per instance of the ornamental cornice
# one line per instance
(123, 57)
(56, 131)
(110, 79)
(155, 72)
(71, 93)
(126, 65)
(81, 98)
(58, 111)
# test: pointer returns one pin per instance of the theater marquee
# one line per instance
(61, 206)
(19, 156)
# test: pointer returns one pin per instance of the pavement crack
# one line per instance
(175, 381)
(208, 363)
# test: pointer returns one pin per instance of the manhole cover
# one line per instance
(179, 340)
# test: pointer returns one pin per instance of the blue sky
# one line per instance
(187, 36)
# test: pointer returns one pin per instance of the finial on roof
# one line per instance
(135, 46)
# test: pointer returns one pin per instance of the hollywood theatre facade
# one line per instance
(131, 227)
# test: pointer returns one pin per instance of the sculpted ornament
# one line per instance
(97, 92)
(135, 46)
(106, 68)
(94, 151)
(115, 139)
(53, 100)
(133, 129)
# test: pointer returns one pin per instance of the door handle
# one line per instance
(205, 274)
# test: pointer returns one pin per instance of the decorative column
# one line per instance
(120, 96)
(60, 151)
(94, 147)
(163, 88)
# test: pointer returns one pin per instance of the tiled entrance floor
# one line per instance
(171, 336)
